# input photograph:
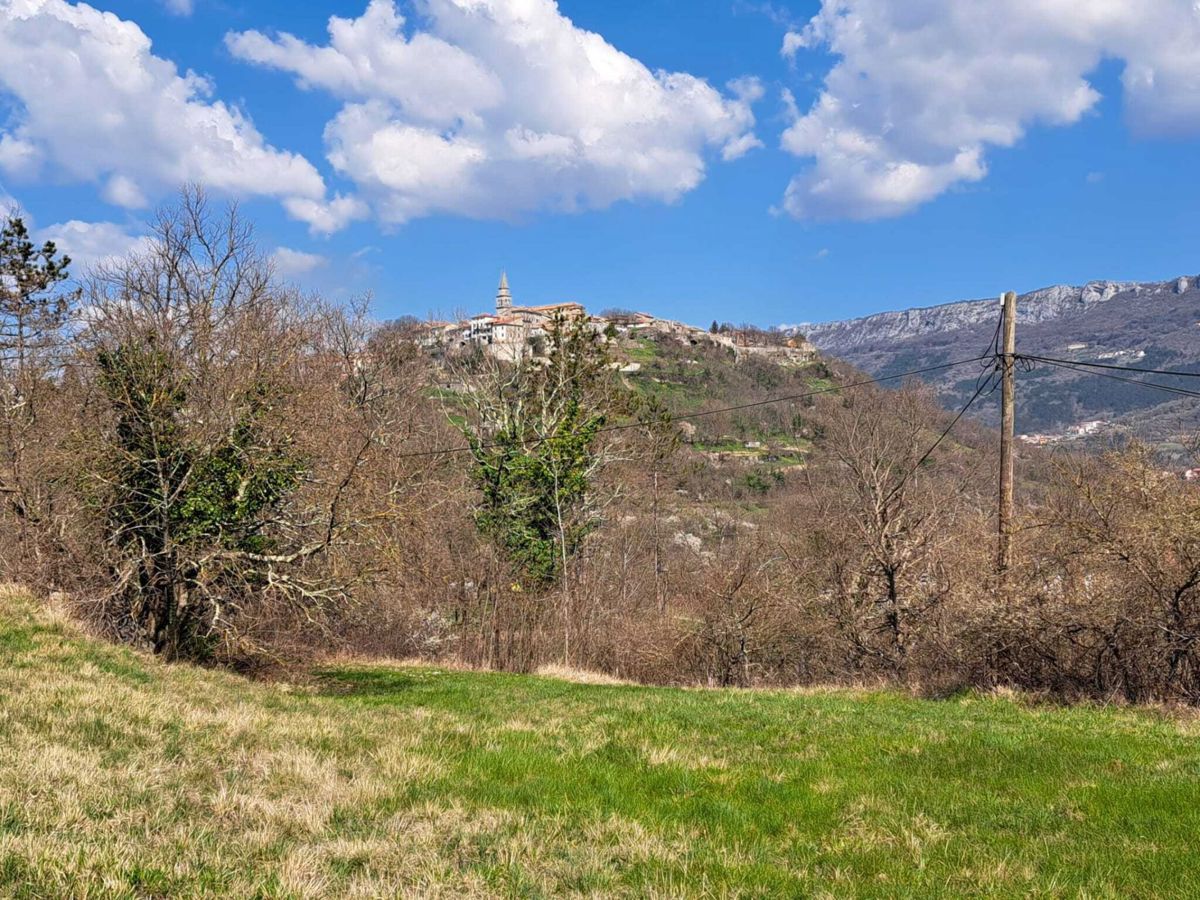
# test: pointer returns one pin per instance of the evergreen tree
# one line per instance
(33, 312)
(32, 309)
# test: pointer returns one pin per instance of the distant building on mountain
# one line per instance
(511, 331)
(507, 332)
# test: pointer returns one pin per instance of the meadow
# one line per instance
(122, 776)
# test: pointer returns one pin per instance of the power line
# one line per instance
(993, 348)
(829, 390)
(980, 388)
(737, 408)
(1093, 365)
(1072, 367)
(990, 357)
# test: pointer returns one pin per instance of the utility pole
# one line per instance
(1007, 423)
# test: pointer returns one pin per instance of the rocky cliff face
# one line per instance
(1057, 302)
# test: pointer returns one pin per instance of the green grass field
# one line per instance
(122, 777)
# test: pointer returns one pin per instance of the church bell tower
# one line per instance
(503, 296)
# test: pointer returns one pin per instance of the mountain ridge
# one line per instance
(1051, 302)
(1156, 323)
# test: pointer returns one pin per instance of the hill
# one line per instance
(125, 777)
(1153, 325)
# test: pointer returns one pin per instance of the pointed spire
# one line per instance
(503, 295)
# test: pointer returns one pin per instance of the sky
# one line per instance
(741, 160)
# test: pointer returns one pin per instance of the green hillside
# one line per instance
(123, 777)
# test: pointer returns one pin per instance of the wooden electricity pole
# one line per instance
(1007, 422)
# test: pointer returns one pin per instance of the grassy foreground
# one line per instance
(123, 777)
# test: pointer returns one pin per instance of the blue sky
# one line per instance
(936, 170)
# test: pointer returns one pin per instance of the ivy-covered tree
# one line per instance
(533, 441)
(534, 491)
(534, 435)
(177, 507)
(216, 494)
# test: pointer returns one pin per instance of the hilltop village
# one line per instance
(512, 332)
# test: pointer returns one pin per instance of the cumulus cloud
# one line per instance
(425, 77)
(921, 89)
(496, 107)
(290, 263)
(92, 103)
(90, 243)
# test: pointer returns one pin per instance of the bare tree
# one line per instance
(233, 420)
(883, 523)
(1117, 590)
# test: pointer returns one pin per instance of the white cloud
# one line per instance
(180, 7)
(94, 104)
(793, 43)
(326, 216)
(739, 147)
(921, 89)
(498, 107)
(290, 263)
(18, 157)
(89, 243)
(122, 190)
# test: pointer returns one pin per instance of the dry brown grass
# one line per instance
(579, 676)
(123, 777)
